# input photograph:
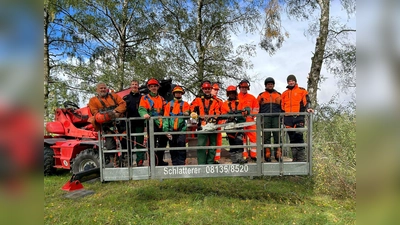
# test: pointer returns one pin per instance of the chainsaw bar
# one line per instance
(233, 125)
(227, 126)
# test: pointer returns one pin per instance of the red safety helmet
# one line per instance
(153, 81)
(103, 117)
(206, 84)
(231, 88)
(215, 86)
(178, 88)
(244, 83)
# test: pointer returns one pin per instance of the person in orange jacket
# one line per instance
(233, 106)
(214, 93)
(176, 107)
(251, 107)
(270, 102)
(106, 102)
(206, 109)
(152, 105)
(295, 99)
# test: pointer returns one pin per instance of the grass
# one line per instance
(238, 200)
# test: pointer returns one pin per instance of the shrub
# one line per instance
(334, 152)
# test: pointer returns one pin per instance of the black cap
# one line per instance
(291, 77)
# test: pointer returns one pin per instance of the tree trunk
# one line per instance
(46, 63)
(317, 60)
(199, 45)
(122, 45)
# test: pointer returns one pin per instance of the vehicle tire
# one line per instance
(85, 160)
(48, 161)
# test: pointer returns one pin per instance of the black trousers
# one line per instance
(160, 142)
(178, 157)
(235, 139)
(298, 153)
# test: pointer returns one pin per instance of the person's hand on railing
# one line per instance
(194, 115)
(145, 140)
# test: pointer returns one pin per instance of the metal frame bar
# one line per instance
(259, 168)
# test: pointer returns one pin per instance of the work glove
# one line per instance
(211, 120)
(194, 115)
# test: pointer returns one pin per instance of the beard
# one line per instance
(103, 94)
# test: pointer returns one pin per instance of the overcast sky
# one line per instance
(293, 58)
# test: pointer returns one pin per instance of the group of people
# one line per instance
(206, 108)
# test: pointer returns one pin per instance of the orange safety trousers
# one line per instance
(218, 150)
(252, 137)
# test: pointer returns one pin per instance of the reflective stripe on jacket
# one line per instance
(154, 106)
(177, 109)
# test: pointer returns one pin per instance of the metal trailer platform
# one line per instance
(130, 171)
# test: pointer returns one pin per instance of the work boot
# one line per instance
(162, 163)
(233, 157)
(239, 158)
(278, 154)
(294, 154)
(301, 155)
(267, 154)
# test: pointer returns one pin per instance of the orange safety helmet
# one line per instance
(103, 117)
(152, 81)
(215, 86)
(244, 83)
(178, 88)
(231, 88)
(206, 84)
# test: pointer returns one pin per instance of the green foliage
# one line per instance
(236, 200)
(334, 151)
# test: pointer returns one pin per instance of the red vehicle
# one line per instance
(73, 143)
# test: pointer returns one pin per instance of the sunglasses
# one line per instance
(207, 89)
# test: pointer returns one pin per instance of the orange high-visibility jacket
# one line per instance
(248, 100)
(96, 106)
(232, 107)
(154, 106)
(220, 101)
(177, 109)
(295, 100)
(205, 106)
(269, 102)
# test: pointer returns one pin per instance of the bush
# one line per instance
(334, 151)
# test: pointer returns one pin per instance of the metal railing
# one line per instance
(119, 164)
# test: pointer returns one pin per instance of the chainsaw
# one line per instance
(226, 126)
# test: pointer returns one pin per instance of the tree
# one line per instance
(326, 45)
(111, 34)
(55, 89)
(197, 41)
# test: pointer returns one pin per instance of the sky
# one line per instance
(294, 57)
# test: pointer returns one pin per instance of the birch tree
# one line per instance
(327, 47)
